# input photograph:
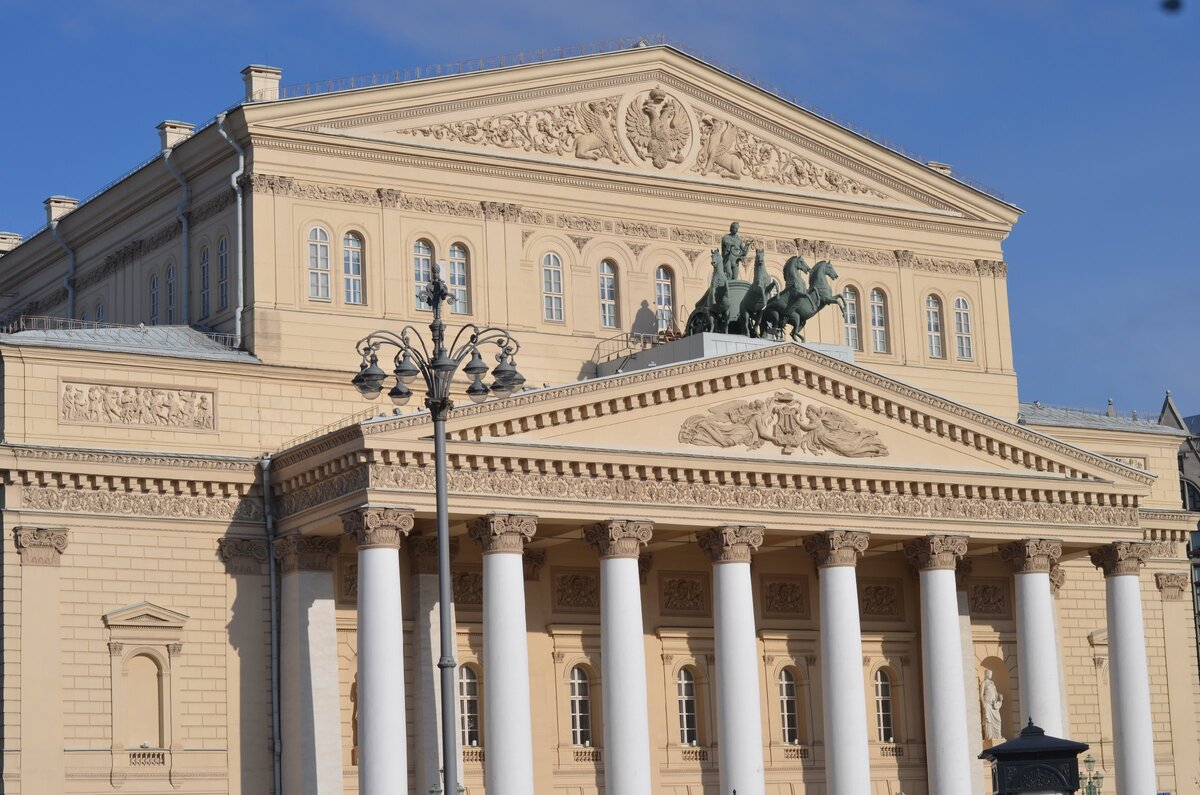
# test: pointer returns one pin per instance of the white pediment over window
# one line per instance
(145, 615)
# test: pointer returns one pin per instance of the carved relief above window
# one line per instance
(880, 599)
(683, 593)
(576, 591)
(785, 596)
(989, 598)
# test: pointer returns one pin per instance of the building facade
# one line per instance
(844, 567)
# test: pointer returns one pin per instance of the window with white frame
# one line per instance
(884, 731)
(789, 716)
(468, 707)
(422, 269)
(664, 297)
(205, 296)
(879, 322)
(552, 287)
(170, 295)
(581, 707)
(608, 294)
(853, 320)
(318, 264)
(456, 279)
(933, 327)
(222, 273)
(352, 268)
(964, 344)
(154, 299)
(685, 695)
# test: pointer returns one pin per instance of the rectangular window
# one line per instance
(222, 274)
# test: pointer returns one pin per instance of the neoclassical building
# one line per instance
(681, 565)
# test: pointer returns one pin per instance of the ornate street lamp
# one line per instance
(437, 365)
(1093, 779)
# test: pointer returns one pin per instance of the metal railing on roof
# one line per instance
(164, 336)
(489, 63)
(336, 425)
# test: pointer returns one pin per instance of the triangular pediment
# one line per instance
(654, 112)
(786, 405)
(145, 615)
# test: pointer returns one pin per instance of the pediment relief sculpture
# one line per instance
(784, 422)
(658, 127)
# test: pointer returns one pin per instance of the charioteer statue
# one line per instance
(758, 308)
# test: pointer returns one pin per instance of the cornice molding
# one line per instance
(136, 459)
(126, 503)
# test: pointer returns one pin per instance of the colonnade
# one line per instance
(311, 746)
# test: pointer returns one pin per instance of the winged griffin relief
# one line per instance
(586, 130)
(732, 152)
(784, 422)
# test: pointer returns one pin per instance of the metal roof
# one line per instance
(1037, 413)
(178, 341)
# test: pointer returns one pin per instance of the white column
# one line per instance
(623, 656)
(947, 753)
(507, 725)
(1037, 638)
(847, 765)
(1129, 679)
(427, 706)
(382, 724)
(309, 684)
(970, 683)
(739, 713)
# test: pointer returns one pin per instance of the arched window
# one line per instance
(608, 294)
(581, 707)
(352, 268)
(964, 345)
(222, 273)
(933, 326)
(83, 316)
(154, 299)
(422, 269)
(789, 716)
(685, 694)
(552, 287)
(100, 312)
(468, 707)
(884, 731)
(170, 295)
(456, 279)
(664, 297)
(853, 320)
(205, 297)
(879, 321)
(1190, 494)
(318, 264)
(143, 703)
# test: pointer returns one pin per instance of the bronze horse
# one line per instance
(798, 308)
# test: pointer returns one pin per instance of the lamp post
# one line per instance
(437, 365)
(1093, 779)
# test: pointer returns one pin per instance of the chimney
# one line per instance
(58, 206)
(262, 82)
(941, 168)
(172, 132)
(8, 241)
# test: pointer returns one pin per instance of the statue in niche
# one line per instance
(990, 702)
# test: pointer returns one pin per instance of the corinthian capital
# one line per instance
(1120, 557)
(936, 552)
(619, 538)
(306, 553)
(40, 546)
(503, 532)
(1032, 554)
(378, 527)
(732, 543)
(837, 547)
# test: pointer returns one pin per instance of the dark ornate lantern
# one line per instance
(1035, 762)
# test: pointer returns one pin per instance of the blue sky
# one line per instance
(1084, 114)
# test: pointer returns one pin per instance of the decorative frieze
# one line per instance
(936, 551)
(784, 422)
(107, 404)
(305, 553)
(467, 587)
(1032, 554)
(238, 509)
(576, 590)
(500, 211)
(880, 599)
(619, 538)
(242, 555)
(640, 229)
(345, 578)
(683, 593)
(378, 527)
(423, 553)
(324, 490)
(731, 543)
(502, 532)
(1121, 557)
(785, 596)
(837, 547)
(40, 546)
(1172, 585)
(988, 597)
